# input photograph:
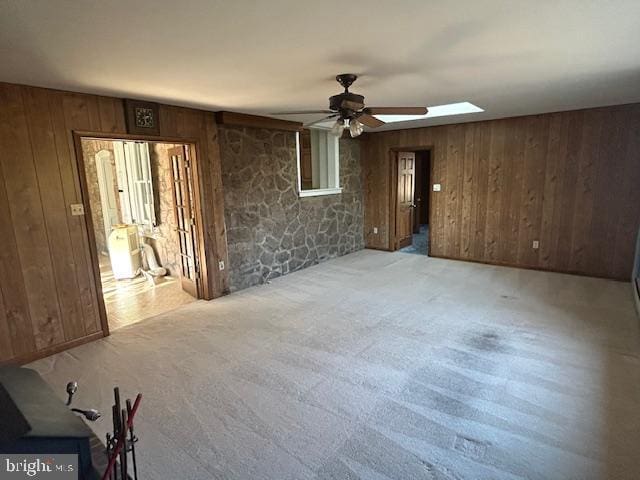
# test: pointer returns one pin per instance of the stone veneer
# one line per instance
(164, 240)
(271, 231)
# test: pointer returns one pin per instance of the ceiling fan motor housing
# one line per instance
(346, 102)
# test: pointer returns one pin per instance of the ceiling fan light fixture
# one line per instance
(355, 128)
(338, 127)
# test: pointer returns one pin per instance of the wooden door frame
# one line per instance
(393, 191)
(193, 144)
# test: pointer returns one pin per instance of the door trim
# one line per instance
(393, 191)
(192, 143)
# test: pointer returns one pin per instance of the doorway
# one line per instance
(411, 174)
(140, 199)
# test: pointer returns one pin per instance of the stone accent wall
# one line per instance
(164, 240)
(271, 231)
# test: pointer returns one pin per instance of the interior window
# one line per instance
(318, 162)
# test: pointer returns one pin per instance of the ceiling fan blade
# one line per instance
(302, 112)
(320, 121)
(369, 121)
(396, 110)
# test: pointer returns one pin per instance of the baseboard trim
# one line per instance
(527, 267)
(380, 249)
(33, 356)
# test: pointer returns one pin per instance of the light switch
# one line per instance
(77, 209)
(535, 245)
(221, 265)
(436, 187)
(375, 230)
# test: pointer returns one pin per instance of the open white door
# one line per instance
(107, 187)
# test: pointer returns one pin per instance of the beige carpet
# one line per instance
(381, 366)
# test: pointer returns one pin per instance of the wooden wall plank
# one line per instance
(536, 143)
(495, 191)
(567, 179)
(585, 181)
(42, 136)
(552, 190)
(28, 221)
(68, 169)
(213, 184)
(256, 121)
(606, 208)
(168, 119)
(514, 171)
(76, 115)
(93, 110)
(455, 182)
(12, 287)
(627, 227)
(467, 217)
(111, 113)
(481, 192)
(507, 194)
(368, 197)
(6, 348)
(439, 176)
(567, 203)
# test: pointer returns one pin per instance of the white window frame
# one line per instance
(133, 168)
(336, 171)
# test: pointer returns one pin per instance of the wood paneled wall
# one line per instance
(570, 180)
(48, 295)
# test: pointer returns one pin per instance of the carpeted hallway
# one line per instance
(381, 366)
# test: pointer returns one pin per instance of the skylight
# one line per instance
(437, 111)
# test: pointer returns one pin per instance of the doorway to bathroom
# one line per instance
(140, 199)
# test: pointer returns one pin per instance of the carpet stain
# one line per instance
(488, 342)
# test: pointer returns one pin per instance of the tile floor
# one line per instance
(130, 301)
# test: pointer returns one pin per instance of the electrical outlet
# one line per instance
(221, 265)
(437, 187)
(77, 209)
(536, 244)
(375, 230)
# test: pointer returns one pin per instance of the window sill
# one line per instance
(320, 191)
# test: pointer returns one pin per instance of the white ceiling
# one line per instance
(509, 57)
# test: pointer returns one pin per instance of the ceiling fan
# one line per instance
(350, 113)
